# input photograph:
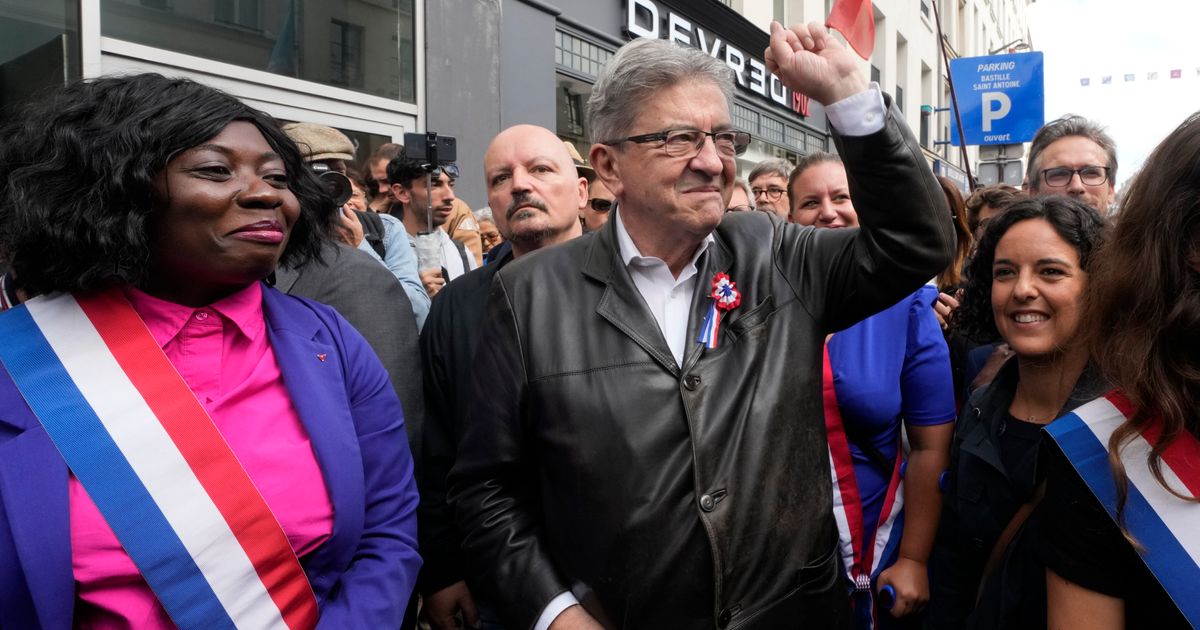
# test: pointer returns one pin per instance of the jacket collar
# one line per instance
(307, 355)
(717, 260)
(33, 489)
(622, 305)
(991, 405)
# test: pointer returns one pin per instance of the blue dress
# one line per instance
(889, 369)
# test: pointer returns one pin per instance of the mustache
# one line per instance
(523, 200)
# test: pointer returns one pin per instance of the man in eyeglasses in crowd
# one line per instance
(644, 443)
(595, 213)
(1073, 156)
(768, 186)
(413, 194)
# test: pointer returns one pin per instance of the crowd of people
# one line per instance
(250, 378)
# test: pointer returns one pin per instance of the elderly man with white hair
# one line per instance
(644, 444)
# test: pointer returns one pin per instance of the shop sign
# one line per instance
(644, 18)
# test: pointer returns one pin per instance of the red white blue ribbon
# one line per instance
(1167, 527)
(154, 463)
(725, 297)
(863, 561)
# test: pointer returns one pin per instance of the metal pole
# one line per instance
(431, 153)
(429, 199)
(962, 139)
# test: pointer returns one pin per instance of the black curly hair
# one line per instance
(1076, 222)
(78, 169)
(403, 170)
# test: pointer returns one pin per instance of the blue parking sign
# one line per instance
(1002, 98)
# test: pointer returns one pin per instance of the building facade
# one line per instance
(497, 64)
(357, 65)
(377, 69)
(906, 61)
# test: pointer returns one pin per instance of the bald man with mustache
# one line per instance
(536, 196)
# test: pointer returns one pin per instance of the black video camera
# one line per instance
(336, 185)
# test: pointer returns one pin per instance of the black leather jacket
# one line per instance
(682, 497)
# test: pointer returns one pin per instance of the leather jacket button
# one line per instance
(691, 382)
(707, 503)
(723, 618)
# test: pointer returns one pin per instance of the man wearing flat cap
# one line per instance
(594, 214)
(328, 149)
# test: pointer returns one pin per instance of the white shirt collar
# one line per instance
(631, 255)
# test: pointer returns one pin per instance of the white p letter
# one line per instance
(991, 115)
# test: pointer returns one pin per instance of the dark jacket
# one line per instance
(694, 496)
(448, 344)
(374, 302)
(980, 498)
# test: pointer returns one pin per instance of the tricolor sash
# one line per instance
(156, 466)
(1167, 527)
(863, 559)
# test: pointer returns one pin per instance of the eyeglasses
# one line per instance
(773, 193)
(687, 142)
(600, 205)
(1061, 176)
(450, 169)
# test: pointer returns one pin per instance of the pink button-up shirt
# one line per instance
(223, 354)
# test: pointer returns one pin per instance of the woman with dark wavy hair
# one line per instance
(1025, 285)
(1122, 544)
(181, 445)
(951, 276)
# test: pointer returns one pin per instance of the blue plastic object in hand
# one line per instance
(887, 597)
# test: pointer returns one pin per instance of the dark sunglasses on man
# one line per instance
(600, 205)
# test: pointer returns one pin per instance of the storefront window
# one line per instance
(745, 119)
(39, 47)
(362, 45)
(571, 97)
(579, 55)
(771, 129)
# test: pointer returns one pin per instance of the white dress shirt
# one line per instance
(669, 298)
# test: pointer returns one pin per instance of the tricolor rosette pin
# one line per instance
(725, 297)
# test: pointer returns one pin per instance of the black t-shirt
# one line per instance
(1082, 544)
(1019, 444)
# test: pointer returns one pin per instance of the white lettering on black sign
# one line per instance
(643, 19)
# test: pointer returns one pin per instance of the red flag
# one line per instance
(855, 20)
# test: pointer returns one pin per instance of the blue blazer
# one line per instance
(362, 576)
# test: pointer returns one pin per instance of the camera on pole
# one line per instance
(435, 151)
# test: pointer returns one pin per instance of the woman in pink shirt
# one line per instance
(282, 496)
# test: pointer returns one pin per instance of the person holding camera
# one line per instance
(425, 196)
(327, 151)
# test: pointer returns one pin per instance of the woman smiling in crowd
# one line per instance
(1025, 286)
(1124, 476)
(180, 444)
(887, 371)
